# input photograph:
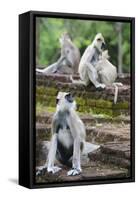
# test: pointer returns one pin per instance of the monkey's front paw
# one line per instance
(120, 84)
(73, 172)
(53, 169)
(41, 171)
(100, 86)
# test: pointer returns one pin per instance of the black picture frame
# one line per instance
(27, 89)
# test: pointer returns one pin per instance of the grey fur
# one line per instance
(69, 60)
(89, 59)
(68, 134)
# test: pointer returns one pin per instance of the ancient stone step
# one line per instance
(116, 153)
(90, 105)
(98, 102)
(91, 168)
(46, 118)
(123, 78)
(91, 172)
(89, 91)
(107, 132)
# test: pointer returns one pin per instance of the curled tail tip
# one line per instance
(115, 101)
(71, 78)
(116, 94)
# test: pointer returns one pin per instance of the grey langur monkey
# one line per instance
(68, 136)
(94, 67)
(69, 60)
(87, 70)
(107, 73)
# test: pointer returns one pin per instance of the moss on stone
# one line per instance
(103, 103)
(88, 102)
(41, 90)
(121, 105)
(80, 101)
(98, 111)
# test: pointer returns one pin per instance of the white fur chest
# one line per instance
(64, 136)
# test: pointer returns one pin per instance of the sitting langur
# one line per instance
(94, 67)
(87, 70)
(69, 60)
(68, 137)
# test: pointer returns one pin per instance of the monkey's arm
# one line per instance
(99, 66)
(53, 149)
(68, 52)
(60, 60)
(93, 76)
(78, 133)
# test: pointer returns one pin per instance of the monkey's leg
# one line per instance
(93, 76)
(51, 69)
(79, 82)
(76, 166)
(51, 156)
(48, 70)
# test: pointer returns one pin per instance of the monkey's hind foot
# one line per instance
(73, 172)
(41, 171)
(53, 169)
(100, 86)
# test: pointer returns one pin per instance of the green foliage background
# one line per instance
(49, 30)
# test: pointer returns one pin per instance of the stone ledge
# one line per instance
(49, 89)
(116, 153)
(93, 172)
(124, 78)
(86, 118)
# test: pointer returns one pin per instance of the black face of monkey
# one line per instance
(99, 42)
(103, 47)
(69, 98)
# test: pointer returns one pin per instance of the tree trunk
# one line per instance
(120, 53)
(38, 21)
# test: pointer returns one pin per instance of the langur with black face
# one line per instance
(94, 67)
(69, 60)
(68, 136)
(88, 61)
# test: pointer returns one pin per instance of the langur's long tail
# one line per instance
(45, 71)
(79, 82)
(40, 70)
(116, 85)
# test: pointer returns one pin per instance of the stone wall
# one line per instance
(88, 98)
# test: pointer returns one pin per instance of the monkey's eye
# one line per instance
(99, 39)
